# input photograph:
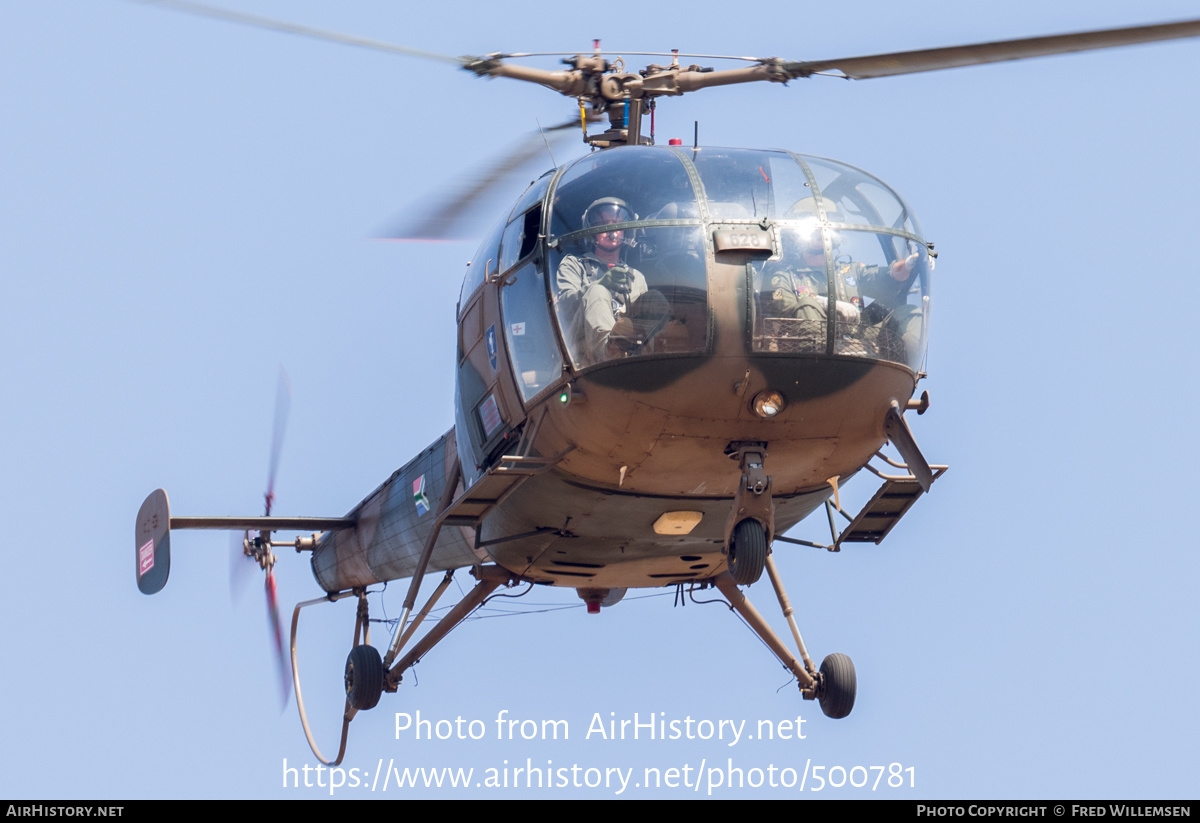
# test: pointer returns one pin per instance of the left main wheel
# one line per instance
(364, 677)
(839, 685)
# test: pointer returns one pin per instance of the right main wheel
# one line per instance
(747, 552)
(838, 686)
(364, 677)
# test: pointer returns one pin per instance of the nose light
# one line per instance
(767, 404)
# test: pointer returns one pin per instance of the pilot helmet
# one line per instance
(607, 210)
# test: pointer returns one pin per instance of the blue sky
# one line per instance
(186, 204)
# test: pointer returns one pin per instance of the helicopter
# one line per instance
(677, 452)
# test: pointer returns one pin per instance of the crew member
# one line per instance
(603, 303)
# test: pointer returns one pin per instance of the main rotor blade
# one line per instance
(911, 62)
(292, 28)
(444, 222)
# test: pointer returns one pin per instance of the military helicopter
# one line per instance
(676, 447)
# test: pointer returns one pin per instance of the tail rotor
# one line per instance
(257, 548)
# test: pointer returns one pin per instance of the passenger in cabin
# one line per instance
(798, 284)
(797, 288)
(605, 306)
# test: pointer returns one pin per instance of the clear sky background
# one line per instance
(186, 204)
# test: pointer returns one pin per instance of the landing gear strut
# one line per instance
(751, 521)
(367, 674)
(834, 686)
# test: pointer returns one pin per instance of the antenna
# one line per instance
(542, 131)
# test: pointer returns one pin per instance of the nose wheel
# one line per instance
(751, 519)
(747, 552)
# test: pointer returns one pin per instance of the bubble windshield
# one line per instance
(628, 258)
(851, 273)
(636, 257)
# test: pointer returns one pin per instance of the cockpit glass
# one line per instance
(637, 288)
(874, 287)
(853, 196)
(534, 194)
(485, 262)
(528, 332)
(742, 184)
(631, 257)
(644, 180)
(633, 292)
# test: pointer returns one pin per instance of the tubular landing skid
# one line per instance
(367, 674)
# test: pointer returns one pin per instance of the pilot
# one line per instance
(604, 304)
(797, 289)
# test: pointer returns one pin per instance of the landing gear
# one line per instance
(747, 552)
(834, 685)
(837, 686)
(364, 677)
(751, 519)
(367, 674)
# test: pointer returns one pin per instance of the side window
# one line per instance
(485, 262)
(520, 238)
(536, 359)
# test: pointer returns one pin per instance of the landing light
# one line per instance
(768, 403)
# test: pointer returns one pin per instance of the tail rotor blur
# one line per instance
(239, 569)
(281, 663)
(283, 405)
(257, 548)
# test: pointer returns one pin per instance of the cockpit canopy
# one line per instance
(725, 184)
(833, 260)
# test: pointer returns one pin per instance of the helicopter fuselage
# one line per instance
(772, 301)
